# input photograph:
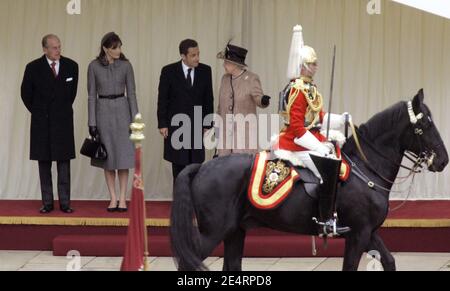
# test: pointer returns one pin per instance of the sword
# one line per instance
(331, 94)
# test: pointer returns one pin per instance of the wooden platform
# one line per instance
(419, 226)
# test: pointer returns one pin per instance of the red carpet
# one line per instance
(421, 226)
(83, 209)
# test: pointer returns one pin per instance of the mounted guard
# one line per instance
(301, 141)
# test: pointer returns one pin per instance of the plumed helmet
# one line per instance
(295, 58)
(308, 55)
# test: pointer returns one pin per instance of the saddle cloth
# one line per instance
(273, 179)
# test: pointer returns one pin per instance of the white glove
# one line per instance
(336, 121)
(350, 119)
(310, 142)
(324, 151)
(330, 146)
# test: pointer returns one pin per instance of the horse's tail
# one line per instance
(184, 235)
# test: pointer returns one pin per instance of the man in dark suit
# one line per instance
(49, 89)
(184, 88)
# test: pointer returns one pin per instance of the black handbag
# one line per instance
(94, 149)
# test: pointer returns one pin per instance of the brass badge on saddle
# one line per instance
(276, 173)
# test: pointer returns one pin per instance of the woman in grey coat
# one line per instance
(111, 111)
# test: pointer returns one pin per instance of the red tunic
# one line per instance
(296, 128)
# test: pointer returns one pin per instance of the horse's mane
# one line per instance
(384, 121)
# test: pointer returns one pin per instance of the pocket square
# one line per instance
(69, 79)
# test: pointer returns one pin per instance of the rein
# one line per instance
(418, 160)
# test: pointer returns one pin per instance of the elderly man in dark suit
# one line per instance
(184, 86)
(49, 89)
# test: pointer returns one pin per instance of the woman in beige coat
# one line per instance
(240, 94)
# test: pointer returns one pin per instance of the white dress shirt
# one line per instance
(56, 67)
(185, 70)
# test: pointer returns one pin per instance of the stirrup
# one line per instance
(330, 228)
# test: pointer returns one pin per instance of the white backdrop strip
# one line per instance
(381, 59)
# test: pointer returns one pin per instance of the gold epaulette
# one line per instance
(301, 85)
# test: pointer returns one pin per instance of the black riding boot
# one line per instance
(329, 169)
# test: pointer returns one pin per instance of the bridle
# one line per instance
(426, 157)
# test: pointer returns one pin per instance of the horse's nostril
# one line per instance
(441, 166)
(444, 163)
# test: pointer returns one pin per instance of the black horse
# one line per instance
(216, 193)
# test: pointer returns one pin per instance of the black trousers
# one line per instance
(45, 175)
(176, 170)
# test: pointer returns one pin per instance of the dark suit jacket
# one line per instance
(49, 100)
(176, 97)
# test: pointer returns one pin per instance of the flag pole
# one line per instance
(137, 137)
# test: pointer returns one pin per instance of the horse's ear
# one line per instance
(418, 99)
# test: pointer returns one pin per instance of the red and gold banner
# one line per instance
(134, 257)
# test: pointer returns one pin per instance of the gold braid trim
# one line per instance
(165, 222)
(79, 221)
(315, 102)
(418, 223)
(313, 98)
